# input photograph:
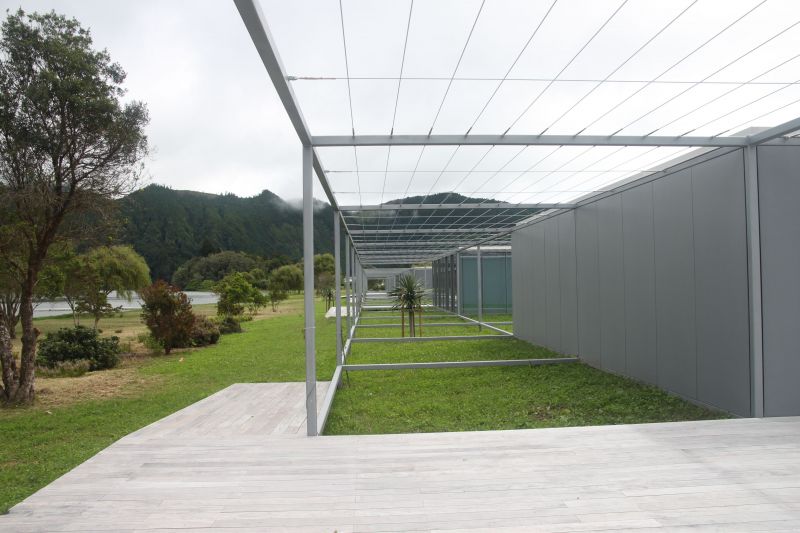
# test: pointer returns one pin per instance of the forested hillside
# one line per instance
(169, 227)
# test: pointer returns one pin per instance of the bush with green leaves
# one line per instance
(168, 315)
(74, 344)
(237, 294)
(205, 332)
(229, 324)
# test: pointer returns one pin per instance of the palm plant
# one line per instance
(408, 295)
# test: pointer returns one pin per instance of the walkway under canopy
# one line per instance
(239, 461)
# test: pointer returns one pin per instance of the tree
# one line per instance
(290, 277)
(68, 146)
(105, 270)
(408, 295)
(276, 293)
(192, 273)
(237, 294)
(324, 263)
(168, 315)
(325, 287)
(49, 285)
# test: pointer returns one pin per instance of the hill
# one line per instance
(168, 226)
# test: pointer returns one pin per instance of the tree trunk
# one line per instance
(420, 320)
(10, 321)
(402, 322)
(411, 329)
(9, 365)
(25, 392)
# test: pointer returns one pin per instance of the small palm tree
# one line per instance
(408, 295)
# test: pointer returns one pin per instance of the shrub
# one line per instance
(228, 325)
(236, 294)
(73, 344)
(204, 332)
(65, 369)
(148, 341)
(168, 315)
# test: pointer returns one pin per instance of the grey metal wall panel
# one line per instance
(588, 284)
(469, 284)
(539, 281)
(640, 283)
(674, 253)
(721, 297)
(510, 284)
(496, 278)
(517, 306)
(612, 283)
(569, 289)
(779, 189)
(494, 283)
(553, 291)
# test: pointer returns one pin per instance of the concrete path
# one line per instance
(238, 462)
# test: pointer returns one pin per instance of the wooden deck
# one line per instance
(238, 462)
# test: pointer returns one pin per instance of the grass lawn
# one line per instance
(74, 418)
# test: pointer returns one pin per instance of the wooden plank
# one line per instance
(238, 461)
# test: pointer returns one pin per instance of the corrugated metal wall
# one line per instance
(650, 283)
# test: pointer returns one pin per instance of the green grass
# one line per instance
(435, 331)
(571, 394)
(467, 350)
(41, 443)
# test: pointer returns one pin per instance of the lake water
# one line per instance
(60, 307)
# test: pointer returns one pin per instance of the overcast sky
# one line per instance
(216, 124)
(594, 66)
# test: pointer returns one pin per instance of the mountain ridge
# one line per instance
(170, 226)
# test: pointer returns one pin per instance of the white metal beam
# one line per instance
(259, 32)
(338, 285)
(308, 292)
(773, 133)
(524, 140)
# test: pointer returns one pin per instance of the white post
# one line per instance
(338, 292)
(348, 276)
(459, 299)
(308, 292)
(480, 289)
(754, 281)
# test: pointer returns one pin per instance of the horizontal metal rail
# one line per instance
(426, 324)
(505, 335)
(385, 317)
(461, 364)
(484, 324)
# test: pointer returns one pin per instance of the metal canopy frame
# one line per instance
(434, 227)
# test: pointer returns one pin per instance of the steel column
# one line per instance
(754, 281)
(480, 287)
(347, 280)
(338, 291)
(308, 292)
(459, 286)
